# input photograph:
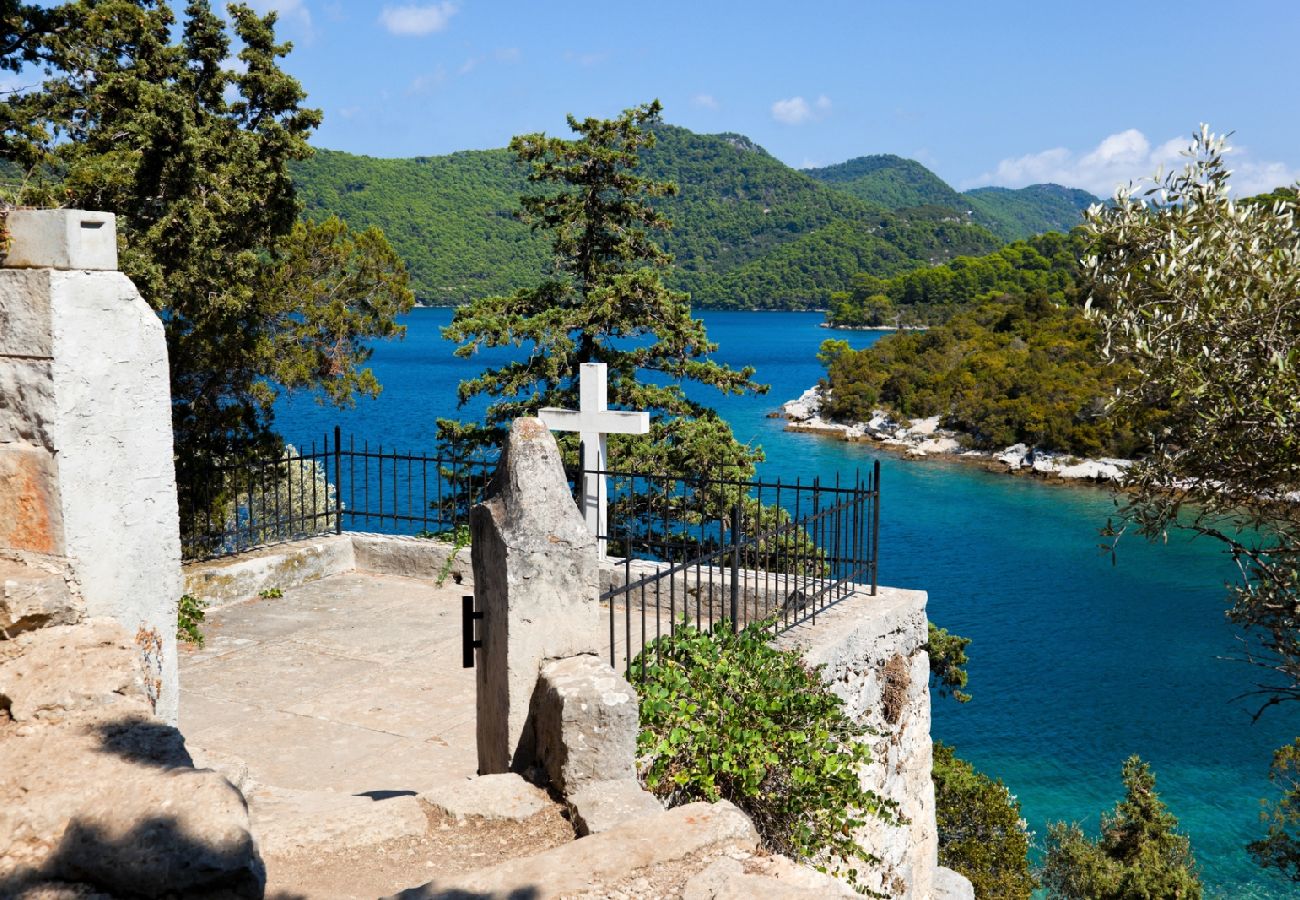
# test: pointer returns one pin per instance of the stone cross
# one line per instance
(594, 421)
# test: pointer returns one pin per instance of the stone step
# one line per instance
(589, 865)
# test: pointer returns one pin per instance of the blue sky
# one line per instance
(989, 92)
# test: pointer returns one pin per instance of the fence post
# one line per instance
(338, 480)
(875, 525)
(735, 567)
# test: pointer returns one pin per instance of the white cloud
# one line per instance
(797, 110)
(705, 101)
(1123, 157)
(288, 10)
(502, 55)
(417, 21)
(423, 84)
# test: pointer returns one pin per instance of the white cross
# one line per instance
(594, 420)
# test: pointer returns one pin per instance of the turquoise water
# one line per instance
(1076, 663)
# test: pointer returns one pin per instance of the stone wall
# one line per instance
(873, 653)
(86, 470)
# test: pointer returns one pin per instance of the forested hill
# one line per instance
(905, 184)
(750, 232)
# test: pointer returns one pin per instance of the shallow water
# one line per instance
(1076, 663)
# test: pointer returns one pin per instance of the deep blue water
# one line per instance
(1076, 663)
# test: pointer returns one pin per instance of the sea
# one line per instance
(1078, 658)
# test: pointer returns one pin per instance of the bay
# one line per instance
(1076, 662)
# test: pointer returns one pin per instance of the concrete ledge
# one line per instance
(222, 582)
(410, 557)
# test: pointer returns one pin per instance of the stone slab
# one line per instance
(502, 796)
(25, 326)
(602, 805)
(61, 239)
(31, 511)
(35, 595)
(386, 554)
(582, 866)
(772, 878)
(288, 822)
(950, 885)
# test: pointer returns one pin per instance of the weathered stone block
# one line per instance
(601, 805)
(586, 720)
(61, 239)
(385, 554)
(25, 327)
(534, 565)
(502, 796)
(950, 885)
(31, 514)
(56, 672)
(35, 596)
(27, 406)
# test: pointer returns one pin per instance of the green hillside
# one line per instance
(741, 213)
(890, 181)
(903, 184)
(1017, 214)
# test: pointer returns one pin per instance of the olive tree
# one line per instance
(1200, 293)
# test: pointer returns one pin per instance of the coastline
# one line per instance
(924, 439)
(872, 327)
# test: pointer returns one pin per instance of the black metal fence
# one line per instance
(329, 487)
(706, 550)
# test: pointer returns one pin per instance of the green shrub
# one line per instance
(1140, 852)
(272, 593)
(190, 613)
(725, 715)
(981, 832)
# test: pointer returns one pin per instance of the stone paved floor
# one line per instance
(350, 684)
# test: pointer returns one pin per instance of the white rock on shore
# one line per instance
(924, 437)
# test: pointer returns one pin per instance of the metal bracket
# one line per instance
(467, 618)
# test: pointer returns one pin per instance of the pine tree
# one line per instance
(604, 300)
(1140, 853)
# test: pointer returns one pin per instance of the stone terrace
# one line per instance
(351, 684)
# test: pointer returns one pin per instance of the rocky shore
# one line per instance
(920, 438)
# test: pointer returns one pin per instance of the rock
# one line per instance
(502, 796)
(231, 767)
(950, 885)
(1016, 456)
(586, 718)
(69, 669)
(808, 406)
(575, 867)
(288, 822)
(772, 878)
(534, 565)
(36, 593)
(385, 554)
(601, 805)
(114, 805)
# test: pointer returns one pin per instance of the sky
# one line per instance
(982, 91)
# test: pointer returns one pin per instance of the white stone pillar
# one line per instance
(85, 428)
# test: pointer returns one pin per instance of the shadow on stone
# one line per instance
(386, 795)
(147, 742)
(155, 859)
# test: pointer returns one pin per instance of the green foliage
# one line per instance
(459, 539)
(1140, 852)
(948, 662)
(1011, 369)
(273, 593)
(981, 832)
(451, 218)
(152, 119)
(1017, 214)
(1280, 848)
(1048, 263)
(890, 181)
(1201, 295)
(190, 613)
(724, 715)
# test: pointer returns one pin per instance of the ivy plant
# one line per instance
(727, 716)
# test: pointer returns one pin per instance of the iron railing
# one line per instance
(707, 550)
(328, 487)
